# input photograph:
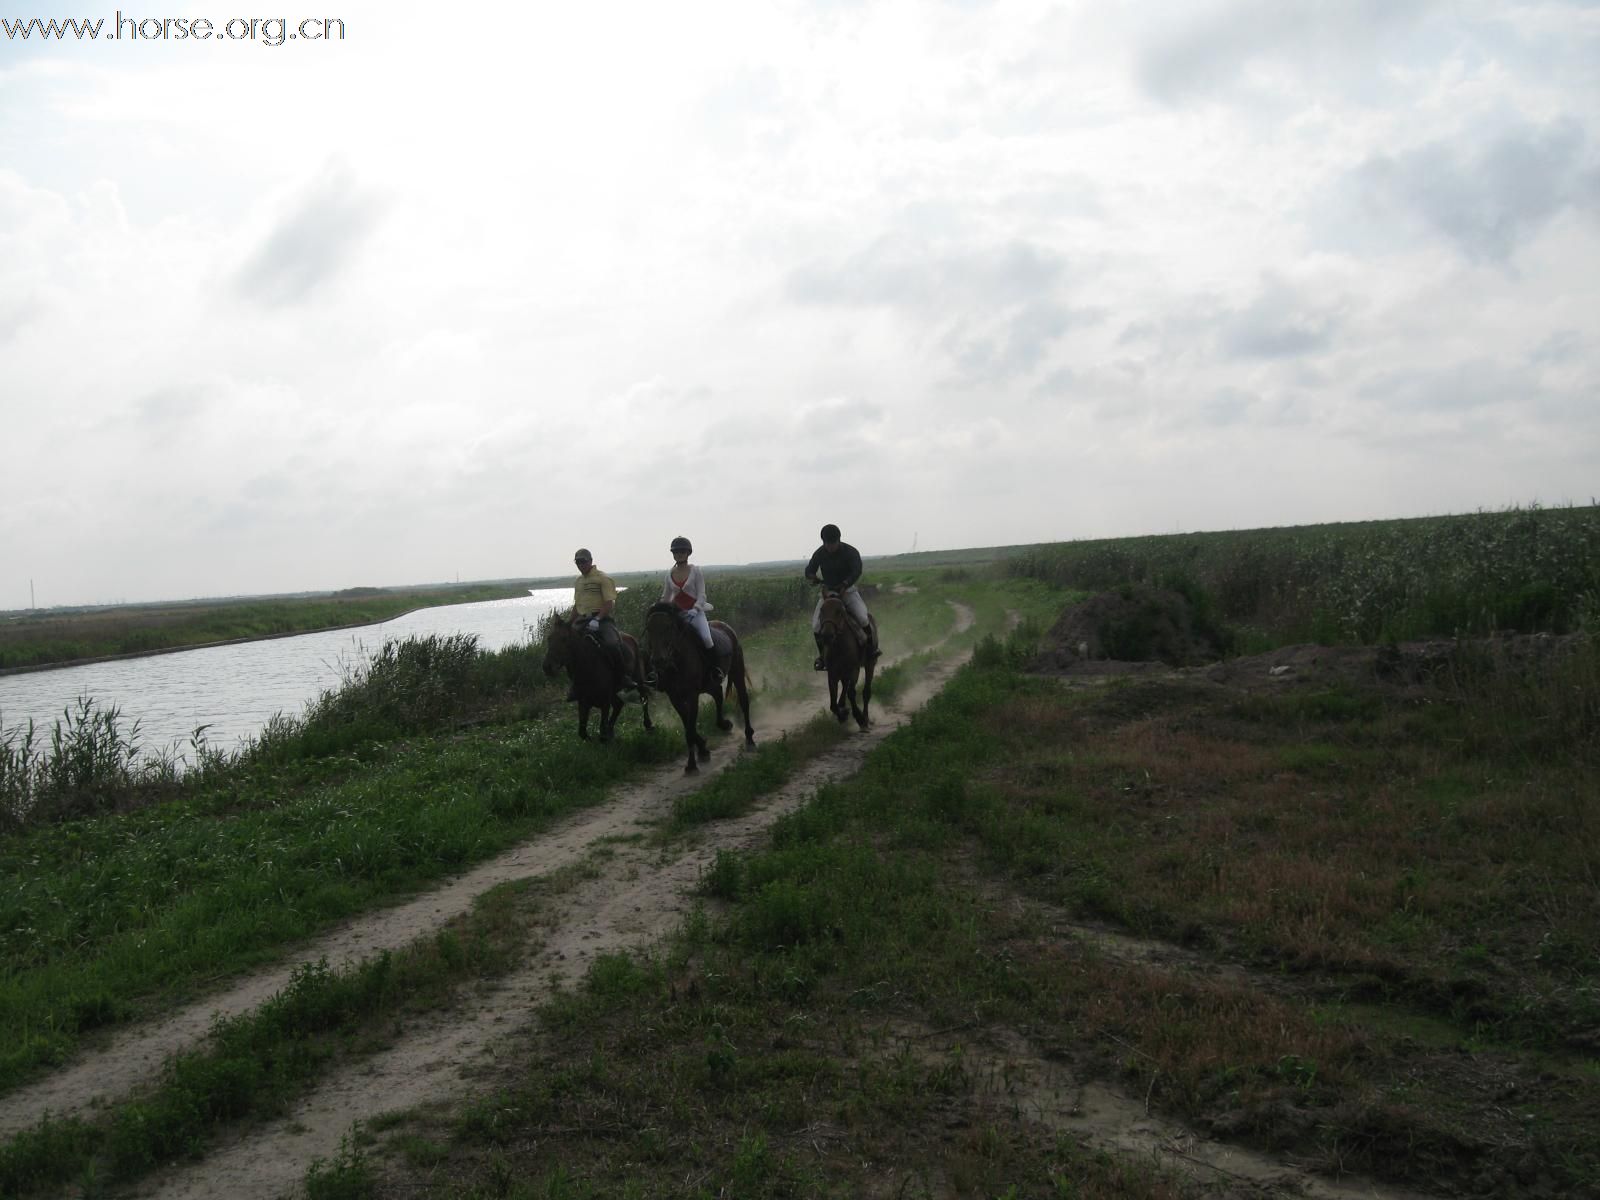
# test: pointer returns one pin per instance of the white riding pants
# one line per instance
(696, 618)
(852, 601)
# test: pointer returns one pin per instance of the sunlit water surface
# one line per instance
(235, 690)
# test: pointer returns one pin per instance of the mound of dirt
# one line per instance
(1132, 625)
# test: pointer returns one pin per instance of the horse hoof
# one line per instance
(724, 725)
(750, 740)
(692, 768)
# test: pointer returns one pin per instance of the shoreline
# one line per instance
(33, 668)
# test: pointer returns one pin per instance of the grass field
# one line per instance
(1305, 923)
(1350, 922)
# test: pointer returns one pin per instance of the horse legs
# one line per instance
(644, 691)
(583, 719)
(739, 685)
(836, 695)
(688, 712)
(866, 696)
(716, 698)
(849, 697)
(610, 710)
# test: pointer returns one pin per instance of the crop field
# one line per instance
(1525, 569)
(1239, 929)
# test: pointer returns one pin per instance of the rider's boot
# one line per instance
(712, 667)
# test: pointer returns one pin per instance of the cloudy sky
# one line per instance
(479, 282)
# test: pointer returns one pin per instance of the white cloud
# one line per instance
(463, 290)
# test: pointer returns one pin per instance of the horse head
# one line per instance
(558, 643)
(833, 619)
(662, 631)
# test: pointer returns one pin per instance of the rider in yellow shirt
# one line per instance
(594, 599)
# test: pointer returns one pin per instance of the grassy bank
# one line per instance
(192, 862)
(49, 638)
(1308, 922)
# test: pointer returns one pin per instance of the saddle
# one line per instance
(864, 636)
(621, 656)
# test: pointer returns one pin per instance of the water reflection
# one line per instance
(237, 689)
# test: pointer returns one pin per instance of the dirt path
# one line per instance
(634, 894)
(639, 895)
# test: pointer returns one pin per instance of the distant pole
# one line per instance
(913, 543)
(31, 604)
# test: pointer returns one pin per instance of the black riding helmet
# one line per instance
(830, 533)
(682, 543)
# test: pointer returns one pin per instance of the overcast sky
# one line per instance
(479, 283)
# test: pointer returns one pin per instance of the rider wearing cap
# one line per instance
(839, 564)
(594, 599)
(685, 590)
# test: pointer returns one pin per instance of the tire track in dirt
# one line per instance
(636, 899)
(1011, 1075)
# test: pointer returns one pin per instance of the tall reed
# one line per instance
(1533, 569)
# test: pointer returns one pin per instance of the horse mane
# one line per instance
(661, 606)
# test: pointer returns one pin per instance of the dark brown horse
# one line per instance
(680, 670)
(845, 658)
(595, 678)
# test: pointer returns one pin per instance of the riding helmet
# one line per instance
(682, 543)
(830, 533)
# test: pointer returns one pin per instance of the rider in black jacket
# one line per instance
(839, 565)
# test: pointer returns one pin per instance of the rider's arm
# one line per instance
(811, 567)
(854, 571)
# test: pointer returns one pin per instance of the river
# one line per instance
(236, 689)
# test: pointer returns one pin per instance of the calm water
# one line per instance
(237, 689)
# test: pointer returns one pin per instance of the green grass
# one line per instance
(1526, 569)
(381, 788)
(252, 1066)
(105, 918)
(1431, 910)
(734, 790)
